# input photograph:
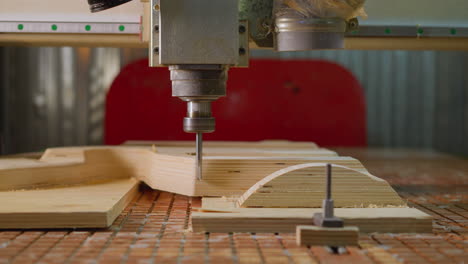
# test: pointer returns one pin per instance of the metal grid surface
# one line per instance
(154, 227)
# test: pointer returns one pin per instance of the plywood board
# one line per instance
(85, 206)
(304, 186)
(61, 169)
(323, 236)
(265, 144)
(285, 220)
(170, 169)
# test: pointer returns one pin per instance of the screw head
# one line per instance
(242, 51)
(242, 29)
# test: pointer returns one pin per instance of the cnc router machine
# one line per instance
(199, 41)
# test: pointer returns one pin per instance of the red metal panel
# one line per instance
(272, 99)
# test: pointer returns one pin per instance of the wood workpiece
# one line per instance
(285, 220)
(302, 186)
(83, 206)
(265, 174)
(156, 231)
(323, 236)
(227, 171)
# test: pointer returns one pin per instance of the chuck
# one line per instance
(199, 85)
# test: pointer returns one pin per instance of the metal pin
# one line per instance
(199, 146)
(327, 218)
(329, 181)
(328, 202)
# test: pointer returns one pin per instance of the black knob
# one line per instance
(100, 5)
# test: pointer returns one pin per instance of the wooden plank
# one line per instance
(232, 176)
(323, 236)
(285, 220)
(85, 206)
(134, 41)
(304, 186)
(265, 144)
(91, 166)
(73, 40)
(171, 169)
(406, 43)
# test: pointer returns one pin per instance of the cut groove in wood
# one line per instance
(304, 186)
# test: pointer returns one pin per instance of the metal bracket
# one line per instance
(244, 53)
(154, 59)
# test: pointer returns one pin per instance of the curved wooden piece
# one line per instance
(227, 171)
(304, 186)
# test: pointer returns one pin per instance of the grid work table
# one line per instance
(155, 227)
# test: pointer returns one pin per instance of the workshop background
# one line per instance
(53, 96)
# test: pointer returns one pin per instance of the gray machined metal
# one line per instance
(199, 85)
(198, 80)
(198, 32)
(294, 32)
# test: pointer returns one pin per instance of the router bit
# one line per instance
(199, 85)
(199, 155)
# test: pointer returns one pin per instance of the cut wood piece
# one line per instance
(265, 144)
(172, 173)
(171, 169)
(251, 152)
(304, 186)
(232, 176)
(323, 236)
(285, 220)
(95, 165)
(85, 206)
